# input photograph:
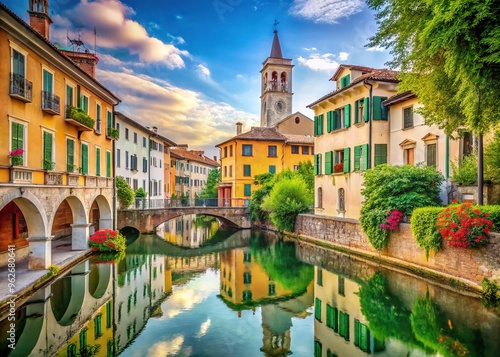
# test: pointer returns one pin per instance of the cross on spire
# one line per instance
(275, 25)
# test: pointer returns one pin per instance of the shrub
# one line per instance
(403, 188)
(465, 173)
(124, 192)
(491, 292)
(423, 227)
(464, 226)
(494, 212)
(492, 159)
(287, 199)
(107, 240)
(392, 222)
(140, 193)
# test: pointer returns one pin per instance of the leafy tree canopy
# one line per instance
(210, 190)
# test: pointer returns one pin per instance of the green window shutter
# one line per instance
(380, 154)
(342, 82)
(356, 332)
(329, 126)
(320, 129)
(356, 111)
(70, 155)
(247, 170)
(272, 169)
(315, 125)
(47, 81)
(320, 162)
(347, 80)
(69, 95)
(47, 150)
(364, 156)
(366, 109)
(379, 110)
(109, 121)
(85, 159)
(357, 156)
(318, 349)
(347, 159)
(98, 161)
(248, 189)
(18, 63)
(317, 309)
(347, 116)
(328, 162)
(17, 136)
(108, 163)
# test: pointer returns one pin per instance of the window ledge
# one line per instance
(408, 128)
(359, 124)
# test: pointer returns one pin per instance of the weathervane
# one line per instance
(275, 25)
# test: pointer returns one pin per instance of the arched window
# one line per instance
(320, 198)
(283, 83)
(274, 80)
(341, 200)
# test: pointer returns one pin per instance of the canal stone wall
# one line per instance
(468, 266)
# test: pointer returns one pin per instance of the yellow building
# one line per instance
(283, 140)
(351, 129)
(56, 139)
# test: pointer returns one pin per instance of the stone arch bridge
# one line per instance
(146, 220)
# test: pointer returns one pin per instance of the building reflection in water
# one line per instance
(190, 231)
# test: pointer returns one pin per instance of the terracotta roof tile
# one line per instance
(193, 155)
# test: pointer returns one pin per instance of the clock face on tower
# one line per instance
(279, 106)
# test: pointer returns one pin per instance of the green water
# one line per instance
(248, 294)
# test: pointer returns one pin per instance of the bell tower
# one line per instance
(39, 17)
(276, 90)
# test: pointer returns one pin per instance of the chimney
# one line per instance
(39, 17)
(182, 146)
(85, 60)
(215, 158)
(239, 125)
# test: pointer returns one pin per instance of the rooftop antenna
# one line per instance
(76, 43)
(95, 41)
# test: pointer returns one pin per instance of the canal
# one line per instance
(195, 289)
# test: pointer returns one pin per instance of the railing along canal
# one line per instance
(151, 203)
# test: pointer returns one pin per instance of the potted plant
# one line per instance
(48, 165)
(16, 156)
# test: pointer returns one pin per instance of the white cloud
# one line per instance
(376, 49)
(117, 31)
(310, 49)
(166, 348)
(320, 62)
(203, 72)
(204, 328)
(325, 11)
(181, 115)
(343, 56)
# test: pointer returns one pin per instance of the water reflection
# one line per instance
(249, 295)
(191, 231)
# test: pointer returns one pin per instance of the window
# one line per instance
(225, 151)
(126, 160)
(328, 162)
(345, 81)
(17, 134)
(231, 150)
(305, 150)
(108, 163)
(247, 190)
(271, 289)
(317, 309)
(48, 81)
(98, 118)
(70, 155)
(83, 338)
(144, 141)
(135, 138)
(97, 326)
(84, 103)
(71, 350)
(379, 110)
(247, 150)
(69, 95)
(48, 152)
(109, 122)
(341, 200)
(85, 158)
(225, 171)
(272, 151)
(380, 154)
(317, 164)
(295, 149)
(98, 161)
(247, 278)
(344, 325)
(332, 318)
(247, 257)
(118, 158)
(341, 285)
(144, 164)
(126, 133)
(18, 65)
(231, 171)
(361, 336)
(319, 278)
(407, 117)
(247, 295)
(431, 154)
(318, 125)
(247, 170)
(133, 162)
(272, 169)
(361, 157)
(318, 349)
(320, 197)
(338, 160)
(361, 107)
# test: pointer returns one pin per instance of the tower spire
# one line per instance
(276, 47)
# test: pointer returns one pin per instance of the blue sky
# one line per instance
(191, 67)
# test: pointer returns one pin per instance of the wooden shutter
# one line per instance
(328, 162)
(364, 156)
(317, 309)
(248, 189)
(329, 121)
(347, 116)
(347, 160)
(408, 117)
(109, 121)
(108, 163)
(47, 81)
(98, 161)
(47, 149)
(69, 95)
(320, 128)
(85, 159)
(347, 80)
(380, 154)
(379, 110)
(18, 63)
(17, 136)
(357, 156)
(366, 109)
(70, 155)
(356, 111)
(316, 164)
(316, 125)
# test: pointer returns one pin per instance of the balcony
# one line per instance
(77, 117)
(51, 103)
(20, 88)
(112, 133)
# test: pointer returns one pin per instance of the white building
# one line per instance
(142, 157)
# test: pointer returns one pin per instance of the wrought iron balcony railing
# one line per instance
(51, 103)
(21, 88)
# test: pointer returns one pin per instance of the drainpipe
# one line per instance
(447, 159)
(480, 168)
(370, 117)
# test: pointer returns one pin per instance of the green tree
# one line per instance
(210, 190)
(288, 198)
(140, 193)
(306, 171)
(124, 192)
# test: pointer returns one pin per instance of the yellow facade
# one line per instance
(350, 138)
(35, 122)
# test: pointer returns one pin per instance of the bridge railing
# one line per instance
(146, 203)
